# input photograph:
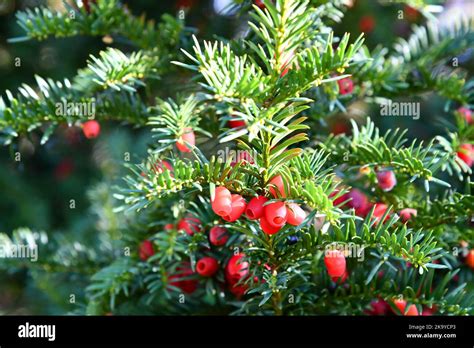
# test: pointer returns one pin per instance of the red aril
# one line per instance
(276, 214)
(238, 207)
(186, 141)
(207, 266)
(267, 228)
(218, 236)
(335, 262)
(255, 207)
(295, 215)
(222, 202)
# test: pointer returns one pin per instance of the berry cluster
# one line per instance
(236, 270)
(272, 215)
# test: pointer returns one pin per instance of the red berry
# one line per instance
(338, 200)
(162, 166)
(401, 305)
(379, 211)
(367, 24)
(466, 114)
(470, 259)
(255, 207)
(295, 215)
(411, 13)
(238, 208)
(190, 225)
(407, 213)
(428, 311)
(179, 280)
(266, 227)
(466, 154)
(340, 127)
(260, 3)
(235, 122)
(340, 279)
(335, 262)
(168, 227)
(222, 202)
(346, 86)
(276, 214)
(91, 129)
(386, 180)
(186, 141)
(207, 266)
(146, 250)
(378, 307)
(218, 236)
(277, 182)
(236, 269)
(64, 169)
(359, 202)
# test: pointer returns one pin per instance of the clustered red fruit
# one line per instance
(356, 200)
(237, 271)
(386, 180)
(466, 154)
(238, 205)
(218, 236)
(402, 304)
(466, 114)
(277, 187)
(91, 129)
(407, 213)
(181, 279)
(227, 205)
(146, 250)
(379, 211)
(272, 216)
(255, 208)
(277, 214)
(190, 225)
(335, 262)
(346, 86)
(186, 141)
(207, 266)
(295, 215)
